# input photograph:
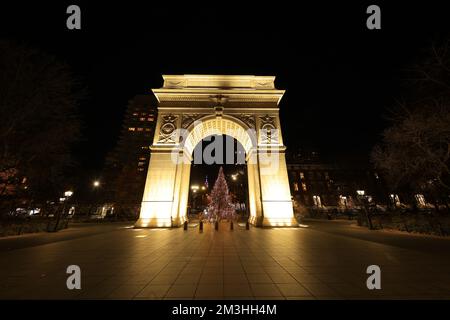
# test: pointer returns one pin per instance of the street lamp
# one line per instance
(364, 200)
(68, 193)
(194, 189)
(95, 185)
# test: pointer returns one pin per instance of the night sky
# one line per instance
(340, 77)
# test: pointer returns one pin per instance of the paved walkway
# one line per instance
(297, 263)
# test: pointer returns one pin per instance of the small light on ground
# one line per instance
(303, 225)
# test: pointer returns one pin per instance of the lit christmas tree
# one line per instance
(220, 204)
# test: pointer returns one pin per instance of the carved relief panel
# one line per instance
(248, 119)
(189, 118)
(268, 130)
(167, 130)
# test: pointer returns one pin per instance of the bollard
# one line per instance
(247, 226)
(231, 225)
(216, 225)
(201, 226)
(185, 225)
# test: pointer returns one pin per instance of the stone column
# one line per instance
(158, 199)
(276, 195)
(254, 190)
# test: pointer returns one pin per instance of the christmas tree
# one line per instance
(220, 204)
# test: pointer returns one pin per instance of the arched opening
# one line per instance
(210, 154)
(222, 126)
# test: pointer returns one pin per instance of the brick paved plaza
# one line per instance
(323, 261)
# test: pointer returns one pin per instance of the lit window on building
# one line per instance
(151, 119)
(327, 176)
(140, 129)
(141, 119)
(148, 129)
(395, 200)
(317, 201)
(304, 186)
(135, 114)
(295, 186)
(141, 163)
(302, 175)
(131, 129)
(420, 199)
(143, 158)
(342, 201)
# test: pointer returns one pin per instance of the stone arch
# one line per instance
(211, 125)
(192, 107)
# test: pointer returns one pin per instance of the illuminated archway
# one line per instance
(192, 107)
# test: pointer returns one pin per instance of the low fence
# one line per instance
(12, 227)
(418, 221)
(427, 222)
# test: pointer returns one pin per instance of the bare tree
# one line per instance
(38, 121)
(415, 150)
(430, 78)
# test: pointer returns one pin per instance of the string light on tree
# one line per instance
(220, 202)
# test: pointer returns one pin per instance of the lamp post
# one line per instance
(67, 195)
(194, 189)
(362, 197)
(237, 181)
(95, 185)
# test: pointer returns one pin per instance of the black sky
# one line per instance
(340, 77)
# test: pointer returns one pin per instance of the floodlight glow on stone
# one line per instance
(166, 192)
